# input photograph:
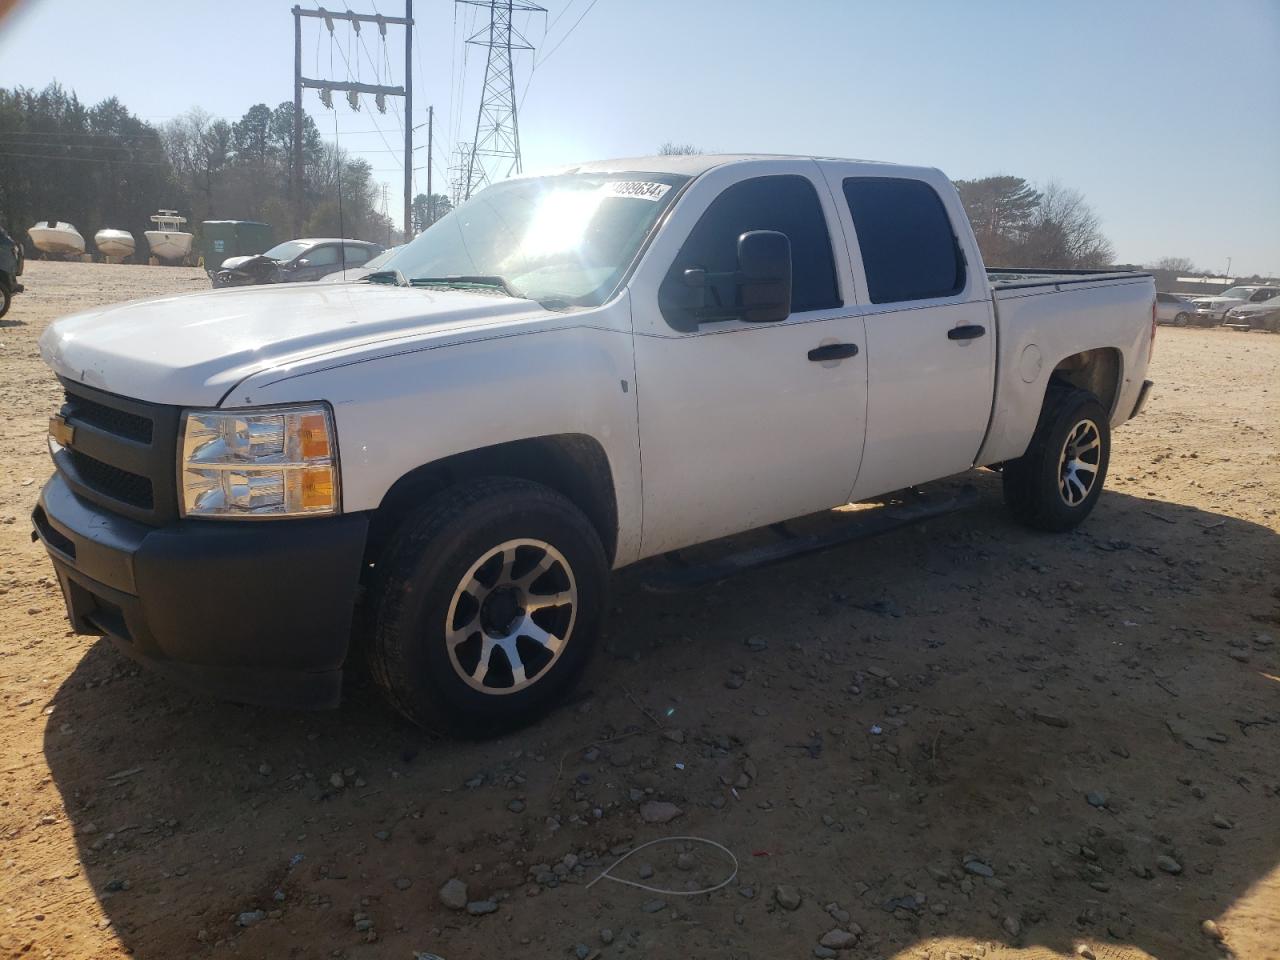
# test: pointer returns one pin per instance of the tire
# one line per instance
(451, 591)
(1181, 320)
(1040, 487)
(6, 298)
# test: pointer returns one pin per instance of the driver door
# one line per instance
(743, 424)
(316, 262)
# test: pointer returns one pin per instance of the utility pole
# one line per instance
(431, 210)
(326, 88)
(408, 120)
(497, 138)
(295, 168)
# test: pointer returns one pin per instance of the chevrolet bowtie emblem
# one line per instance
(61, 431)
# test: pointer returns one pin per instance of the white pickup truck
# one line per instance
(436, 468)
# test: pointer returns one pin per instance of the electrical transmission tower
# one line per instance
(458, 172)
(495, 149)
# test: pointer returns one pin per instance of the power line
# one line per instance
(546, 56)
(37, 156)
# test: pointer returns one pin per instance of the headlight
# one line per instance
(265, 462)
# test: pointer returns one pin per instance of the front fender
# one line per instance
(433, 398)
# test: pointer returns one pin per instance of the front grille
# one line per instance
(121, 453)
(115, 483)
(132, 426)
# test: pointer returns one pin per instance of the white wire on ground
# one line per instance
(608, 873)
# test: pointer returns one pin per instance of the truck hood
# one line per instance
(192, 349)
(1216, 301)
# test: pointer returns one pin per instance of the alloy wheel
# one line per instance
(511, 616)
(1078, 463)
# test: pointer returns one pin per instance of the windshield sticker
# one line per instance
(641, 189)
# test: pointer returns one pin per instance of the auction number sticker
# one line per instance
(641, 189)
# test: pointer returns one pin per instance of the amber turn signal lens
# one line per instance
(313, 432)
(317, 487)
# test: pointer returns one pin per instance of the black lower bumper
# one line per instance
(259, 612)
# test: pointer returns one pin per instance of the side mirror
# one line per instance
(764, 276)
(303, 262)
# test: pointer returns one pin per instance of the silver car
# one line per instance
(1172, 308)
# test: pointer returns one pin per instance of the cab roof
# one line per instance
(691, 165)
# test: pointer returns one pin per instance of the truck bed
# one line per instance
(1044, 316)
(1009, 278)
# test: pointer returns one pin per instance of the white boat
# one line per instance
(57, 238)
(114, 244)
(167, 241)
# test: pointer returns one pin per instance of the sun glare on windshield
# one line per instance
(559, 223)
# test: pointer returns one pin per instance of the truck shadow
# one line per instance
(959, 730)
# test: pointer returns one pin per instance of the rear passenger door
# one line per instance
(931, 337)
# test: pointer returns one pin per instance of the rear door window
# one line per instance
(909, 250)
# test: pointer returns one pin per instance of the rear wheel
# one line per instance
(488, 602)
(1181, 320)
(6, 298)
(1055, 484)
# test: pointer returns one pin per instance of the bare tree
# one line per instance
(1065, 232)
(1182, 265)
(672, 149)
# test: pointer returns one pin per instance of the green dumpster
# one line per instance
(220, 239)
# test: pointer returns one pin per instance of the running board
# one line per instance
(871, 523)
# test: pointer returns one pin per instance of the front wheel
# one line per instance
(6, 298)
(487, 606)
(1055, 484)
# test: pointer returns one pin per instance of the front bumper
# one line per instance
(255, 611)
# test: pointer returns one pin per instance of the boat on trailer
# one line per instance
(168, 241)
(57, 238)
(115, 245)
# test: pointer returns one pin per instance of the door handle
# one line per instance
(970, 331)
(833, 351)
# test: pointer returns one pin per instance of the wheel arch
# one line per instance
(573, 464)
(1100, 371)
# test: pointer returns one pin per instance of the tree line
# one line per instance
(102, 166)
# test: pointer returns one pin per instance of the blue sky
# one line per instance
(1164, 113)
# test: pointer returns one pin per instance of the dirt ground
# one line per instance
(959, 740)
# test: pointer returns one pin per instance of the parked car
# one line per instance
(567, 374)
(1212, 310)
(11, 264)
(362, 271)
(1255, 316)
(1171, 308)
(294, 261)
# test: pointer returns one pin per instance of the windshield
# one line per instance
(287, 250)
(1239, 293)
(564, 238)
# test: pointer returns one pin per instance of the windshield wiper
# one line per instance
(470, 280)
(386, 276)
